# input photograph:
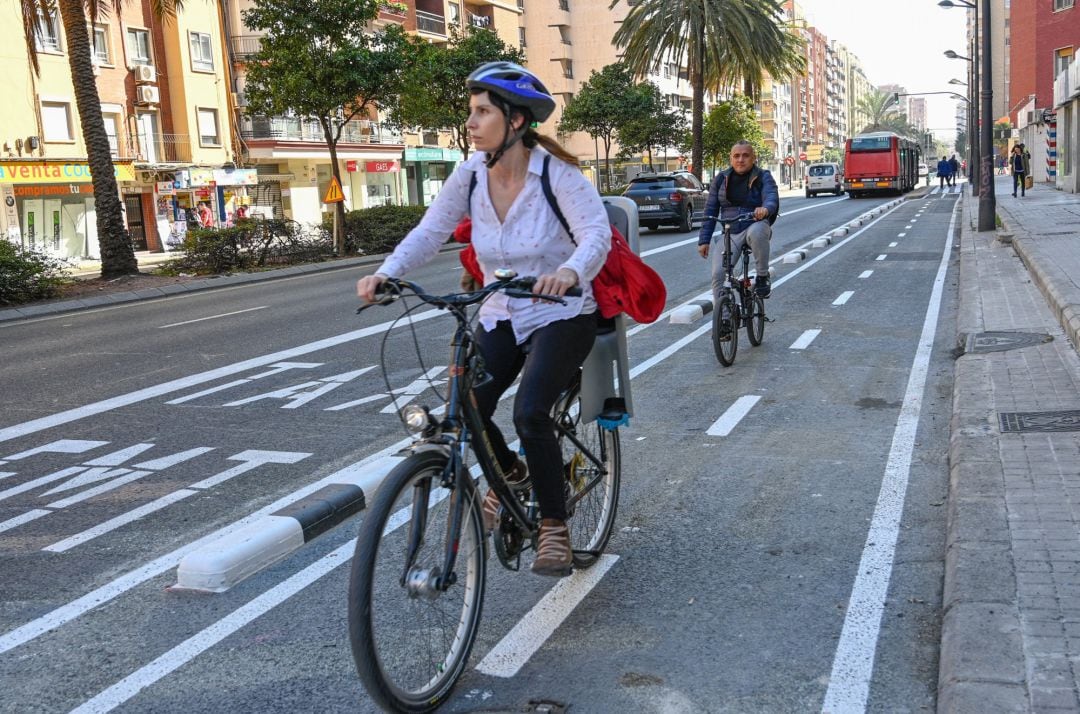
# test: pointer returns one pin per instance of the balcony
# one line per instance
(431, 23)
(160, 148)
(357, 131)
(244, 46)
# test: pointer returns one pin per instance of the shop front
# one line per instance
(426, 170)
(203, 198)
(48, 206)
(374, 183)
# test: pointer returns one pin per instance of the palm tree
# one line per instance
(117, 252)
(883, 113)
(725, 43)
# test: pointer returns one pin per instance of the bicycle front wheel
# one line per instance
(592, 466)
(411, 634)
(725, 330)
(755, 320)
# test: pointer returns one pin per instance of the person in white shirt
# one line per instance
(514, 226)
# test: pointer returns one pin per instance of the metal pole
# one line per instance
(973, 109)
(987, 201)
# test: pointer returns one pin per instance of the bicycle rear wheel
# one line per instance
(411, 639)
(725, 330)
(755, 319)
(592, 494)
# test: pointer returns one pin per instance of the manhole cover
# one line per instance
(1000, 341)
(1039, 421)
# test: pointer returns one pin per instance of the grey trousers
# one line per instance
(758, 234)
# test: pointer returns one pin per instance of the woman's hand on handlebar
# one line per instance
(556, 283)
(368, 285)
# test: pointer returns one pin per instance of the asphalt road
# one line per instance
(791, 563)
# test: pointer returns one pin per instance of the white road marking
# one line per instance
(853, 664)
(881, 257)
(526, 637)
(213, 317)
(804, 340)
(900, 235)
(277, 369)
(22, 518)
(734, 414)
(844, 297)
(865, 274)
(121, 520)
(893, 244)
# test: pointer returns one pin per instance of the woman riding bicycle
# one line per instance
(514, 227)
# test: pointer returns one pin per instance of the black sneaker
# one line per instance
(762, 286)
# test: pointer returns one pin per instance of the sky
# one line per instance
(901, 42)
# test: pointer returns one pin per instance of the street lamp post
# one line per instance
(972, 140)
(974, 125)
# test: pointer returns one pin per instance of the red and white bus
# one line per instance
(880, 162)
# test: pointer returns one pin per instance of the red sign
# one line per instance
(381, 167)
(790, 161)
(350, 166)
(802, 157)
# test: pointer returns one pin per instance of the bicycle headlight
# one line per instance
(416, 417)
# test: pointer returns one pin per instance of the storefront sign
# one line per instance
(425, 153)
(166, 188)
(9, 215)
(201, 177)
(236, 177)
(30, 172)
(71, 189)
(350, 166)
(381, 167)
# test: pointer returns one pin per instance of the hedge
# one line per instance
(27, 275)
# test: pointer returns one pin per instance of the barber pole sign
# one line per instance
(1051, 150)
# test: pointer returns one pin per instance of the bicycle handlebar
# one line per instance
(514, 287)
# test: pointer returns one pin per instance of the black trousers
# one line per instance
(1019, 177)
(546, 361)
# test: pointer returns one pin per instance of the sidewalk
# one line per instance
(1010, 638)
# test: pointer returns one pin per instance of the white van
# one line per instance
(824, 178)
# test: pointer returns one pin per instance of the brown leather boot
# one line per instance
(553, 554)
(518, 479)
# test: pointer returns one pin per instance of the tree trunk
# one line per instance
(462, 141)
(607, 163)
(114, 243)
(697, 119)
(335, 171)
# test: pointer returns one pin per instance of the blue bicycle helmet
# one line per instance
(511, 86)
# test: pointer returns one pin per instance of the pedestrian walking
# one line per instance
(943, 172)
(1018, 165)
(954, 169)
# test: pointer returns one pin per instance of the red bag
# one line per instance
(625, 283)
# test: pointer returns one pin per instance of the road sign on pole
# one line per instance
(334, 194)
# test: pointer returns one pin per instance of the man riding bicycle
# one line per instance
(742, 188)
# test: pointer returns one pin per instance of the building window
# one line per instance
(1063, 4)
(521, 36)
(56, 121)
(138, 44)
(455, 14)
(101, 54)
(208, 128)
(49, 38)
(112, 121)
(202, 56)
(568, 69)
(564, 5)
(1062, 59)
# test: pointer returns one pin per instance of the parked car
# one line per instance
(674, 198)
(824, 178)
(924, 170)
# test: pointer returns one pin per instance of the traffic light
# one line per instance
(896, 98)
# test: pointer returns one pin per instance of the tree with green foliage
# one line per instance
(961, 144)
(656, 127)
(319, 60)
(114, 242)
(434, 95)
(885, 114)
(728, 122)
(725, 43)
(603, 105)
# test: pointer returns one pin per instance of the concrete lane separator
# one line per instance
(691, 312)
(223, 563)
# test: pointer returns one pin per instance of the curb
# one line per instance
(981, 665)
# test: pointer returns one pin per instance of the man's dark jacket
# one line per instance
(761, 190)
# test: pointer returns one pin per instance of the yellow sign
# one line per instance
(29, 172)
(334, 194)
(815, 152)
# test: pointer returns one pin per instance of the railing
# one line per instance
(357, 131)
(430, 23)
(244, 46)
(161, 148)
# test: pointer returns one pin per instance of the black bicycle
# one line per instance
(730, 314)
(419, 570)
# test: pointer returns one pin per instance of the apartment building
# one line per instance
(835, 94)
(165, 112)
(859, 87)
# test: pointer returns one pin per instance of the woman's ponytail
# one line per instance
(532, 138)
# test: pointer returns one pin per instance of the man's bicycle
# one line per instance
(729, 313)
(419, 570)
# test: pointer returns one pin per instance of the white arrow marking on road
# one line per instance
(278, 369)
(844, 297)
(734, 414)
(63, 446)
(98, 490)
(804, 340)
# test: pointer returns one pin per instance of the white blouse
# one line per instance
(531, 241)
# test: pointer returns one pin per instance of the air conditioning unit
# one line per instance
(144, 73)
(146, 95)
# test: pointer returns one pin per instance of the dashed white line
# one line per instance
(804, 340)
(865, 274)
(881, 257)
(901, 235)
(893, 244)
(213, 317)
(844, 297)
(733, 415)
